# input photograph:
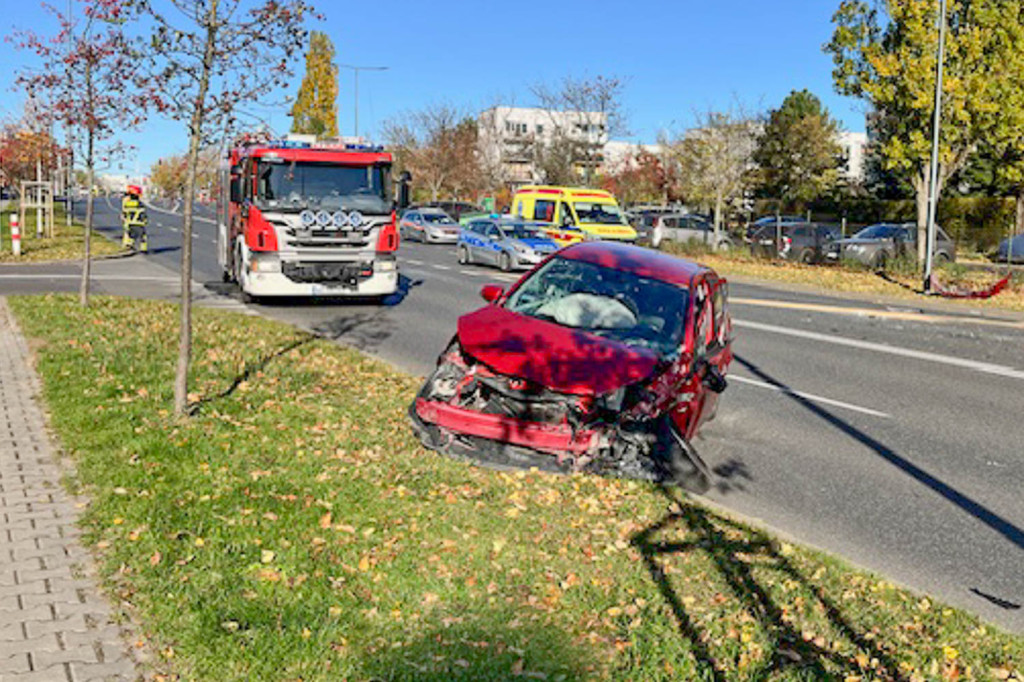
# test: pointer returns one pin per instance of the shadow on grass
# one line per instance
(736, 552)
(479, 652)
(252, 369)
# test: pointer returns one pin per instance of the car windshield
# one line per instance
(601, 214)
(521, 232)
(438, 218)
(323, 186)
(623, 306)
(877, 232)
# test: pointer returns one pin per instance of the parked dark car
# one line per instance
(1015, 255)
(802, 241)
(456, 209)
(879, 244)
(605, 358)
(764, 220)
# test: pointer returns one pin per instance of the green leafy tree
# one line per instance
(885, 53)
(797, 153)
(714, 161)
(315, 111)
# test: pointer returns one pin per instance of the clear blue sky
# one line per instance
(676, 58)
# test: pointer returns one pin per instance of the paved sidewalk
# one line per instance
(54, 624)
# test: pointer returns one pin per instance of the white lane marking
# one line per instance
(95, 277)
(441, 267)
(977, 366)
(810, 396)
(474, 273)
(194, 216)
(413, 261)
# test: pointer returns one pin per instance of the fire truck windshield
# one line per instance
(297, 186)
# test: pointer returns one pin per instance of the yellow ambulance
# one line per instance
(573, 214)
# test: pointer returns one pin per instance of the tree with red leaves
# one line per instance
(88, 73)
(211, 58)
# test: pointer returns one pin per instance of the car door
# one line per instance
(475, 240)
(709, 335)
(492, 241)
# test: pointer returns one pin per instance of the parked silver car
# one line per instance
(684, 227)
(507, 243)
(428, 225)
(876, 245)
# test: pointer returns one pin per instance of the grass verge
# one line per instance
(293, 529)
(67, 243)
(849, 279)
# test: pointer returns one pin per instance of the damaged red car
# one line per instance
(605, 358)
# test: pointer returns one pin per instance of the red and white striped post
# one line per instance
(15, 236)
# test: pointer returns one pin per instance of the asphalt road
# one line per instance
(883, 434)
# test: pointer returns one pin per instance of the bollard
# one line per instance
(15, 236)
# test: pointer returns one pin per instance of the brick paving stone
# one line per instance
(54, 624)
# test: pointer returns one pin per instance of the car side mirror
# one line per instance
(235, 188)
(492, 292)
(713, 379)
(404, 180)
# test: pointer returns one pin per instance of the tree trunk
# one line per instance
(90, 166)
(718, 220)
(195, 134)
(1019, 223)
(90, 174)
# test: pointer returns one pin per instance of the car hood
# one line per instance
(559, 358)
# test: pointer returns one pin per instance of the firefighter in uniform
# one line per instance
(133, 220)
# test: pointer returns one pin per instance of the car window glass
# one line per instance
(566, 213)
(941, 234)
(671, 222)
(702, 319)
(544, 210)
(493, 231)
(800, 232)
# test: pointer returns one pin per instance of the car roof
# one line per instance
(431, 209)
(637, 260)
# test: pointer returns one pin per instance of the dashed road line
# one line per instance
(440, 267)
(810, 396)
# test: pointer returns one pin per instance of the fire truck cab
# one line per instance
(298, 219)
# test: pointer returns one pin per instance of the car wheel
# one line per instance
(941, 258)
(505, 262)
(240, 276)
(725, 245)
(463, 255)
(879, 262)
(807, 256)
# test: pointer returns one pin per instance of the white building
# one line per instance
(854, 147)
(510, 136)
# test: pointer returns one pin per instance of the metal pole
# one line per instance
(933, 181)
(356, 70)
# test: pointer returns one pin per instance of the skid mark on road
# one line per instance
(904, 315)
(963, 363)
(810, 396)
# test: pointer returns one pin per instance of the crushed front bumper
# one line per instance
(555, 439)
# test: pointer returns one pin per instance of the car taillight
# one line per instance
(259, 234)
(387, 240)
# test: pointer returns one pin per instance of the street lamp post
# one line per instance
(356, 70)
(933, 180)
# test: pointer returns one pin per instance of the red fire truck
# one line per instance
(298, 219)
